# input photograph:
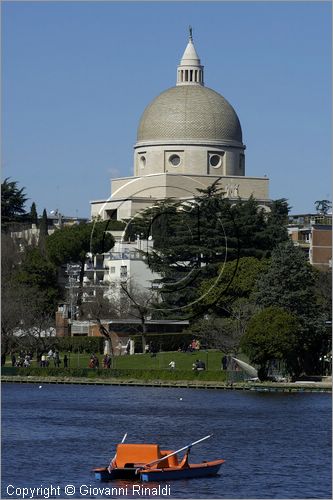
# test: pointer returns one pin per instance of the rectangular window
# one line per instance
(123, 271)
(112, 270)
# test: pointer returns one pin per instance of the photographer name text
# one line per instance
(83, 490)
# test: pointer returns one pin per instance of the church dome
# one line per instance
(190, 112)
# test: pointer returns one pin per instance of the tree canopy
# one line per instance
(37, 273)
(33, 214)
(13, 201)
(71, 244)
(289, 283)
(272, 334)
(194, 239)
(323, 206)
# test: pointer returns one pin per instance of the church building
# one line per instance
(188, 137)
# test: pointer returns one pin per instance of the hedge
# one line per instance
(80, 344)
(164, 342)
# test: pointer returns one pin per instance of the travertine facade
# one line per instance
(188, 137)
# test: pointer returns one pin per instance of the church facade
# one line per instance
(188, 137)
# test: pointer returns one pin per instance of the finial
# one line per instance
(190, 30)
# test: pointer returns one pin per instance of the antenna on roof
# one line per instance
(191, 31)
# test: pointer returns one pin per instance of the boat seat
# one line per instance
(128, 454)
(169, 462)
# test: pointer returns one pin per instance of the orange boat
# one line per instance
(147, 462)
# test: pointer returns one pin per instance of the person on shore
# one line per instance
(65, 361)
(13, 360)
(106, 361)
(172, 365)
(224, 362)
(43, 361)
(199, 366)
(56, 359)
(19, 362)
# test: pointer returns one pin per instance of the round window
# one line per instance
(215, 161)
(142, 161)
(174, 160)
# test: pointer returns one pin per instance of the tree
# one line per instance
(37, 322)
(33, 214)
(43, 232)
(236, 280)
(323, 290)
(129, 300)
(11, 297)
(272, 334)
(224, 333)
(37, 273)
(323, 206)
(71, 244)
(138, 302)
(99, 306)
(276, 223)
(289, 283)
(202, 234)
(229, 302)
(10, 258)
(12, 308)
(13, 200)
(29, 293)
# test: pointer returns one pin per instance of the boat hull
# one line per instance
(103, 474)
(204, 469)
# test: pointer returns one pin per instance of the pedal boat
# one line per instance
(147, 462)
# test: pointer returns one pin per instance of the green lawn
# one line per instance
(184, 361)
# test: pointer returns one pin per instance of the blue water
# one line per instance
(275, 445)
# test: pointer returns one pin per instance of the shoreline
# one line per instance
(188, 384)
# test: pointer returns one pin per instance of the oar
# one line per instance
(115, 455)
(175, 452)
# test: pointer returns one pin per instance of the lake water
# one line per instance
(275, 445)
